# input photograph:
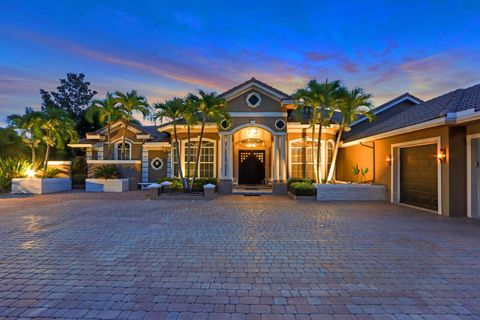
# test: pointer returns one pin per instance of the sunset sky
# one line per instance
(168, 48)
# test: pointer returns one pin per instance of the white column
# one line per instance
(229, 157)
(283, 158)
(144, 165)
(222, 157)
(275, 159)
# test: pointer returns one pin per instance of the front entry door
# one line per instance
(251, 167)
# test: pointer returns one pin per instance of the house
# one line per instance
(425, 152)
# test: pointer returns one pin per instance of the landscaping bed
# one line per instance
(301, 189)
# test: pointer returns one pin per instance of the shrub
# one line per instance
(293, 180)
(107, 171)
(52, 172)
(302, 189)
(175, 186)
(12, 168)
(200, 182)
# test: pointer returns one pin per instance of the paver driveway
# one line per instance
(96, 256)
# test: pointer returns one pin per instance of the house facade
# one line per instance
(426, 153)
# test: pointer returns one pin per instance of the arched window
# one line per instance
(118, 151)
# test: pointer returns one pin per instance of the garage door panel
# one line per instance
(419, 176)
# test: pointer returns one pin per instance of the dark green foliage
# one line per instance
(52, 173)
(200, 182)
(292, 180)
(302, 189)
(11, 144)
(73, 95)
(107, 171)
(11, 168)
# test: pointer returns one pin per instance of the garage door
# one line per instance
(419, 176)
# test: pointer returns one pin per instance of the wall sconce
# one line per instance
(389, 160)
(442, 155)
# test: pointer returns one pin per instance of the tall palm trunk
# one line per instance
(199, 150)
(319, 153)
(34, 158)
(47, 154)
(177, 151)
(187, 182)
(109, 134)
(313, 155)
(335, 152)
(123, 140)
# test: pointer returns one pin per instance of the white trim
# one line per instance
(156, 145)
(248, 85)
(259, 114)
(395, 170)
(58, 162)
(80, 145)
(144, 136)
(144, 165)
(388, 106)
(119, 123)
(249, 104)
(470, 137)
(258, 125)
(415, 127)
(115, 161)
(94, 136)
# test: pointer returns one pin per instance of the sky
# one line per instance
(170, 48)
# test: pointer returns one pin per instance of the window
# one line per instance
(206, 168)
(302, 161)
(253, 100)
(118, 151)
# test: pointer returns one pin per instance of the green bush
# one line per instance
(199, 183)
(12, 168)
(293, 180)
(52, 172)
(302, 189)
(107, 171)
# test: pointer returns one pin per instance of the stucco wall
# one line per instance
(267, 104)
(453, 172)
(154, 175)
(117, 136)
(131, 171)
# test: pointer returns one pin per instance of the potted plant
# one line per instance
(108, 178)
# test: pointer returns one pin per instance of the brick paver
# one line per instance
(104, 256)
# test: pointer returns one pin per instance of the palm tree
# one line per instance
(129, 103)
(352, 103)
(108, 112)
(174, 110)
(318, 101)
(29, 125)
(58, 127)
(210, 107)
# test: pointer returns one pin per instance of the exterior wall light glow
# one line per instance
(389, 159)
(442, 155)
(252, 132)
(30, 173)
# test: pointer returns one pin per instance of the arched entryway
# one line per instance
(252, 156)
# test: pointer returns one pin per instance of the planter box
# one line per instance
(301, 198)
(106, 185)
(351, 192)
(40, 185)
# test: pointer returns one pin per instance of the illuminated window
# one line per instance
(206, 167)
(329, 154)
(302, 164)
(118, 151)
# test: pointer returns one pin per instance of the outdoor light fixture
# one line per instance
(30, 173)
(252, 132)
(389, 159)
(252, 143)
(442, 155)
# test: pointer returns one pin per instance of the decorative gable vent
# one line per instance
(253, 100)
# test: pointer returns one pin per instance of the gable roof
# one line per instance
(439, 107)
(257, 83)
